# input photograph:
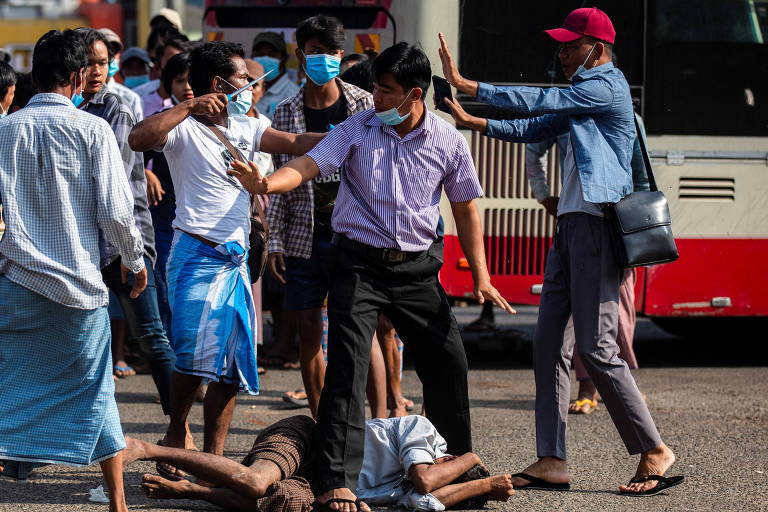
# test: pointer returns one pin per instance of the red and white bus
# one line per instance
(697, 68)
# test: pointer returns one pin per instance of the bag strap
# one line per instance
(236, 155)
(646, 158)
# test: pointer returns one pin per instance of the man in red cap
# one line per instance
(582, 276)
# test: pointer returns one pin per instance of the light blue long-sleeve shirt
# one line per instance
(596, 109)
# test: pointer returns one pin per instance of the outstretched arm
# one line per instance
(277, 142)
(286, 178)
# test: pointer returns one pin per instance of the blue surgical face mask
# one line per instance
(271, 66)
(77, 98)
(133, 82)
(3, 113)
(114, 67)
(241, 104)
(321, 68)
(581, 68)
(392, 117)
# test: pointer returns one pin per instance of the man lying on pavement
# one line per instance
(405, 464)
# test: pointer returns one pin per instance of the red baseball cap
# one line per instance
(587, 21)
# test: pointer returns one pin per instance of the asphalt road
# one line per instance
(708, 397)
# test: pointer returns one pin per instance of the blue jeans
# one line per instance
(163, 240)
(144, 325)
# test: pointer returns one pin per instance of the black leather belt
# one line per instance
(378, 253)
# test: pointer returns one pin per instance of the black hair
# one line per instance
(326, 29)
(7, 78)
(359, 75)
(476, 472)
(90, 36)
(4, 55)
(354, 57)
(407, 63)
(176, 65)
(180, 42)
(211, 59)
(56, 56)
(164, 31)
(25, 89)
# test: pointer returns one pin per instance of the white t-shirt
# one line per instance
(209, 202)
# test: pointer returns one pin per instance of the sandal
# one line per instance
(535, 483)
(278, 362)
(326, 507)
(664, 483)
(583, 406)
(297, 402)
(122, 372)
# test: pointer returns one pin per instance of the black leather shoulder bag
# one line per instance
(642, 224)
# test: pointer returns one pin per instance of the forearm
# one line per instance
(291, 175)
(469, 87)
(477, 124)
(470, 233)
(428, 477)
(452, 494)
(152, 131)
(307, 141)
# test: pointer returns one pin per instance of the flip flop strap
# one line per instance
(641, 479)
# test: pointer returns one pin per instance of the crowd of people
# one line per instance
(146, 189)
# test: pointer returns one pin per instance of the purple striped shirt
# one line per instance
(390, 187)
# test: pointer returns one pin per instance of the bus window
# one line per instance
(713, 21)
(706, 68)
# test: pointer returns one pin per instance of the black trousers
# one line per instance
(410, 295)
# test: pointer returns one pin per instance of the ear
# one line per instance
(599, 50)
(299, 55)
(216, 85)
(417, 94)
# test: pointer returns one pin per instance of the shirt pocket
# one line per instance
(421, 187)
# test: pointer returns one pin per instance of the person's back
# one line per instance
(65, 146)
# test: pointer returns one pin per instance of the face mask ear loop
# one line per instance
(403, 102)
(584, 64)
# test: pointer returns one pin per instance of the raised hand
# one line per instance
(209, 104)
(450, 70)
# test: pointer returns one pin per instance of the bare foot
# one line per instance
(501, 487)
(343, 493)
(653, 462)
(551, 469)
(135, 449)
(159, 488)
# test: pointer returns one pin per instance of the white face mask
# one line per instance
(581, 68)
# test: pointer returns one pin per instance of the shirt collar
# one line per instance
(427, 125)
(595, 71)
(98, 98)
(51, 97)
(351, 94)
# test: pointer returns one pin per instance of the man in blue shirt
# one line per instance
(582, 276)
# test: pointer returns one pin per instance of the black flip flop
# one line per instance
(326, 507)
(539, 484)
(664, 484)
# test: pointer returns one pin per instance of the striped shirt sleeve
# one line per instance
(331, 152)
(461, 183)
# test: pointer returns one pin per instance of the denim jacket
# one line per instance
(597, 109)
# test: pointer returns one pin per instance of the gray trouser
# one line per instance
(582, 278)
